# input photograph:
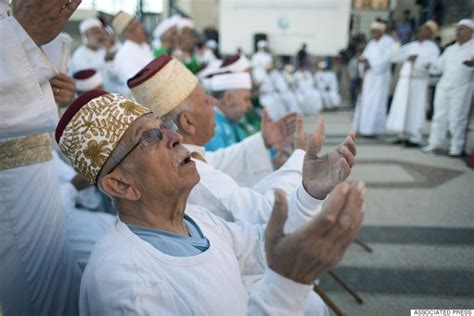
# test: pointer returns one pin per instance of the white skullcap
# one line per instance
(240, 64)
(231, 81)
(87, 79)
(185, 22)
(210, 70)
(120, 22)
(467, 22)
(166, 25)
(88, 24)
(376, 25)
(322, 64)
(432, 25)
(211, 43)
(262, 44)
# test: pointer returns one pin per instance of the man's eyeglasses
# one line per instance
(148, 138)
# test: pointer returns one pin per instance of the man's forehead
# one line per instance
(144, 123)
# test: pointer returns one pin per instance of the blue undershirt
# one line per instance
(174, 244)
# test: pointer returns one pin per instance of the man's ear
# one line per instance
(115, 185)
(186, 123)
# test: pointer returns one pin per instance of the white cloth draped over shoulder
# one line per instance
(38, 274)
(408, 110)
(371, 108)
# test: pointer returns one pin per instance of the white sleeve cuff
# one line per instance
(306, 200)
(279, 295)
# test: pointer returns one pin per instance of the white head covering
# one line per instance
(212, 44)
(120, 22)
(231, 81)
(166, 25)
(467, 22)
(185, 22)
(88, 24)
(262, 44)
(376, 25)
(87, 79)
(432, 25)
(323, 64)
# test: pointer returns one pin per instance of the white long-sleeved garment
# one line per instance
(371, 108)
(218, 192)
(24, 82)
(408, 110)
(453, 96)
(127, 275)
(130, 59)
(38, 274)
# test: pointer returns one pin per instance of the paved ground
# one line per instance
(419, 221)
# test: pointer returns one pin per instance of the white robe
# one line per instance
(83, 227)
(38, 274)
(283, 89)
(270, 98)
(86, 58)
(326, 82)
(408, 111)
(261, 61)
(308, 96)
(129, 60)
(453, 97)
(221, 194)
(128, 275)
(371, 108)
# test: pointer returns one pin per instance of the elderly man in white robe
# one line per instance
(163, 257)
(408, 111)
(326, 81)
(453, 97)
(371, 108)
(92, 53)
(38, 274)
(134, 53)
(216, 190)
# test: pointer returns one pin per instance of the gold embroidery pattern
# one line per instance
(94, 132)
(25, 151)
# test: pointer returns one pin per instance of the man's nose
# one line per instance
(172, 138)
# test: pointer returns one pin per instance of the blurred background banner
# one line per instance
(287, 24)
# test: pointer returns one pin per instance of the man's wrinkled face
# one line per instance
(160, 168)
(135, 31)
(171, 36)
(202, 111)
(186, 39)
(425, 33)
(463, 34)
(239, 103)
(96, 37)
(376, 34)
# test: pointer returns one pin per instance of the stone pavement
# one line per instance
(419, 221)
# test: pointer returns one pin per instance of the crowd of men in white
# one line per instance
(196, 232)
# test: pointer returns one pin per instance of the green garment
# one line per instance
(161, 51)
